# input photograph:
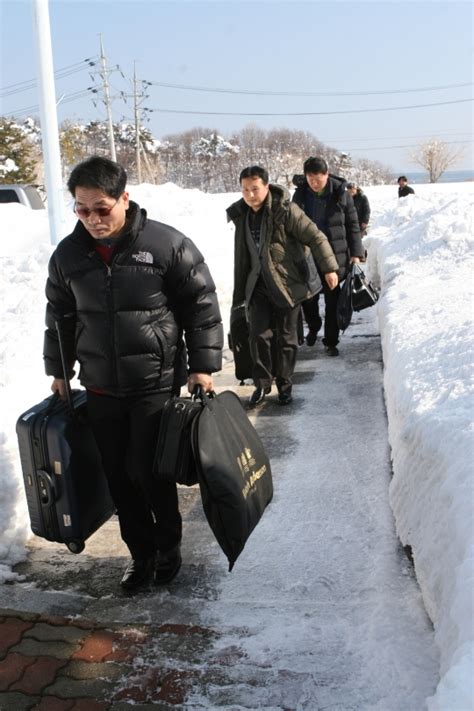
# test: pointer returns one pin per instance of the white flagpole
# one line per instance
(49, 122)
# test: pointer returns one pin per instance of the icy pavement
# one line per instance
(322, 610)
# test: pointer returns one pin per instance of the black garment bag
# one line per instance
(344, 303)
(233, 471)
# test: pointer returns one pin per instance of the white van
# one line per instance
(28, 195)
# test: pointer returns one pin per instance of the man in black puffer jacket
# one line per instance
(362, 206)
(125, 290)
(325, 200)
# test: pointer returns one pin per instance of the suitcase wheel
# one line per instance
(76, 546)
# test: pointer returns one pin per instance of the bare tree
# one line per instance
(435, 157)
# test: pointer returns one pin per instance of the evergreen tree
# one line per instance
(17, 162)
(73, 143)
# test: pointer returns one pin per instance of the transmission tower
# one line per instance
(104, 75)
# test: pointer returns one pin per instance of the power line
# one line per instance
(309, 113)
(59, 74)
(413, 145)
(401, 138)
(263, 92)
(67, 99)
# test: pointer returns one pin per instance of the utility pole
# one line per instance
(105, 79)
(49, 122)
(137, 125)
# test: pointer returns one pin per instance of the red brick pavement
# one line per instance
(33, 676)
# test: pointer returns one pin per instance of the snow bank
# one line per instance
(420, 250)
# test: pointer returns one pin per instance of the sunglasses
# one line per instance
(100, 211)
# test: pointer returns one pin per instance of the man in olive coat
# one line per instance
(276, 246)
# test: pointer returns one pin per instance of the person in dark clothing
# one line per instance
(127, 290)
(403, 187)
(325, 200)
(275, 248)
(362, 206)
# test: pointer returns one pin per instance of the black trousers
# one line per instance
(273, 340)
(126, 431)
(313, 319)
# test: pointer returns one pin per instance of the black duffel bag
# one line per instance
(174, 459)
(357, 293)
(233, 471)
(364, 293)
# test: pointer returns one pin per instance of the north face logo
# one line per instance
(145, 257)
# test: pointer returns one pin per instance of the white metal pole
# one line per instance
(105, 79)
(49, 122)
(137, 126)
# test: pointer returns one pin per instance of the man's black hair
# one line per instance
(403, 177)
(315, 165)
(100, 173)
(254, 171)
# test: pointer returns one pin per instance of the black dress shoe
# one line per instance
(258, 396)
(311, 337)
(285, 397)
(332, 351)
(167, 565)
(138, 572)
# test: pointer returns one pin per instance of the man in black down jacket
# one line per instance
(325, 200)
(362, 206)
(403, 187)
(125, 289)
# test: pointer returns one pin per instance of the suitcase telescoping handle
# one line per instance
(65, 370)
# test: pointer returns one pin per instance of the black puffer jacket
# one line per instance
(341, 222)
(362, 206)
(405, 190)
(124, 323)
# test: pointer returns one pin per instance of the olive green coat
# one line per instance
(289, 240)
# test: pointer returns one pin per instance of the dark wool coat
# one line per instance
(124, 323)
(404, 190)
(341, 221)
(284, 260)
(362, 206)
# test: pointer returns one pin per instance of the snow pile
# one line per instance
(421, 250)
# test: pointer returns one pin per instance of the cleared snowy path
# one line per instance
(322, 610)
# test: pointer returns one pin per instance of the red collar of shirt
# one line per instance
(106, 249)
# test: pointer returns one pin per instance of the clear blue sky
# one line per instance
(316, 46)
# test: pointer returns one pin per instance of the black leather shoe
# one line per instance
(285, 397)
(138, 572)
(258, 396)
(332, 351)
(311, 337)
(167, 565)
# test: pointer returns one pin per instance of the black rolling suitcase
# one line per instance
(66, 490)
(239, 343)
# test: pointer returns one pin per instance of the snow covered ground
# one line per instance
(420, 252)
